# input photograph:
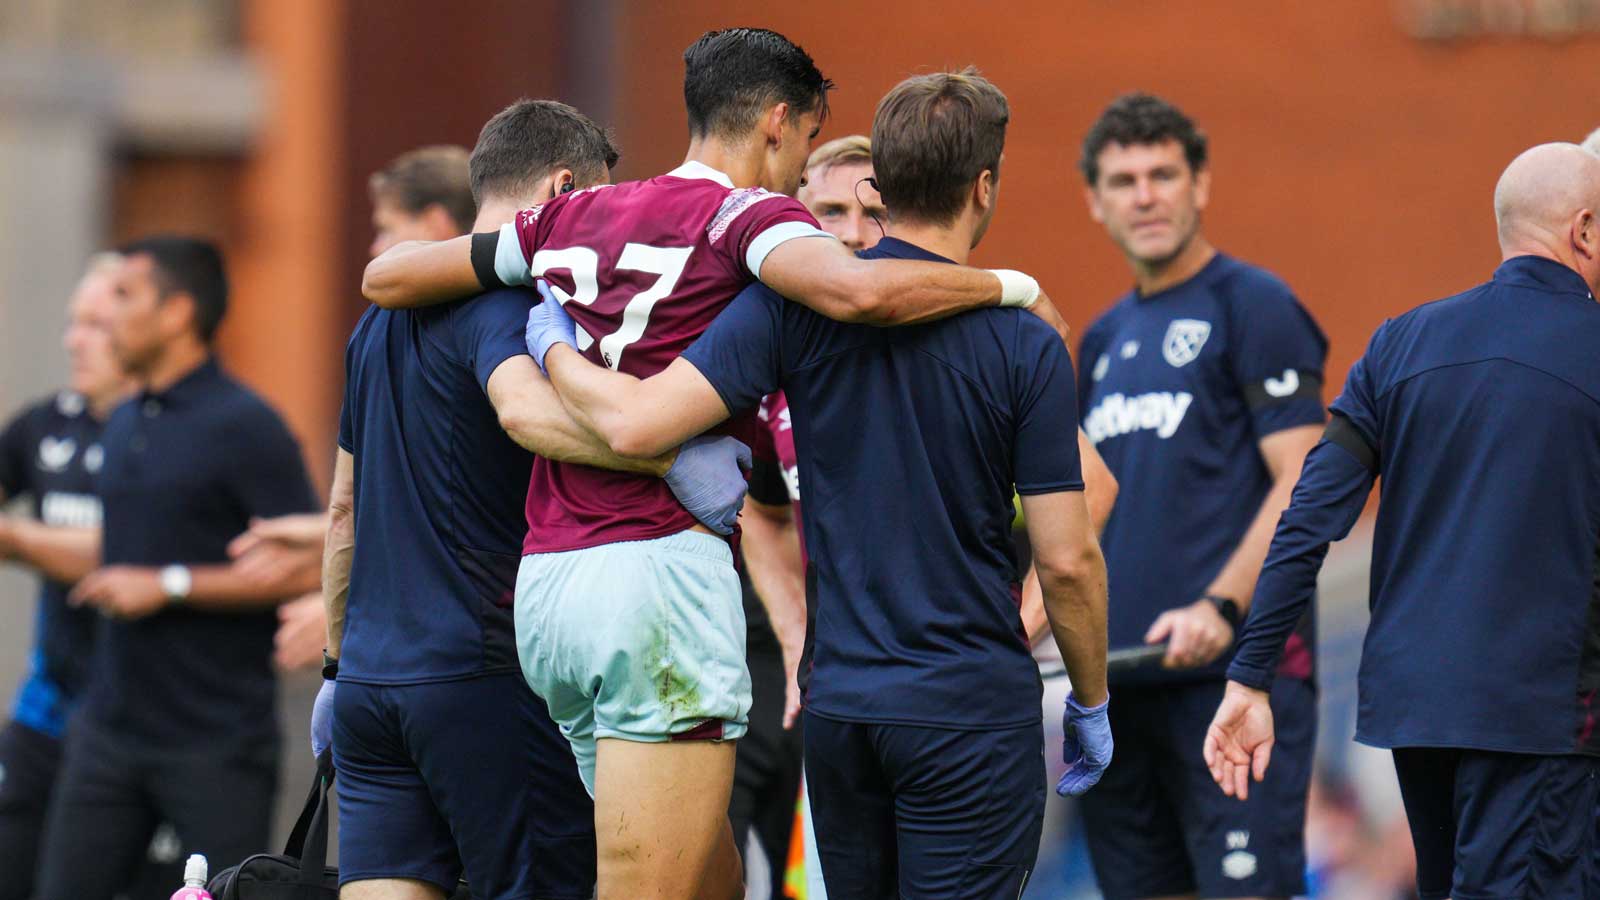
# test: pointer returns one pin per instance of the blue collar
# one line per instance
(894, 248)
(1543, 274)
(194, 383)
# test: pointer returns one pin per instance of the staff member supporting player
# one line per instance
(1481, 668)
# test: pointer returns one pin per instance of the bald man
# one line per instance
(1592, 142)
(1481, 669)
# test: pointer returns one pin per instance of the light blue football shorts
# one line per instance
(640, 640)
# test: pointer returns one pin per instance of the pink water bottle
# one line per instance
(194, 880)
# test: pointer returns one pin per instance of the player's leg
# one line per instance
(29, 761)
(1254, 848)
(852, 811)
(651, 635)
(393, 844)
(505, 781)
(969, 808)
(99, 823)
(1526, 826)
(661, 816)
(1427, 789)
(1131, 817)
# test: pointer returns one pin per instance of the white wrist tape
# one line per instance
(1016, 289)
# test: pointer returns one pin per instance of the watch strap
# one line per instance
(1226, 607)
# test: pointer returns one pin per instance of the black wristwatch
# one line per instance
(1226, 608)
(330, 667)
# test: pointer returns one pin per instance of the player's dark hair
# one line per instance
(528, 140)
(730, 77)
(1141, 118)
(425, 177)
(190, 266)
(932, 136)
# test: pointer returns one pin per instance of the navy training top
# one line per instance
(185, 471)
(439, 489)
(1177, 389)
(1481, 414)
(51, 452)
(910, 443)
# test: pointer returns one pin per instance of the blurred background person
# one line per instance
(1202, 389)
(178, 720)
(423, 195)
(50, 453)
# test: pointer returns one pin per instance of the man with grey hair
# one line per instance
(1592, 142)
(1481, 669)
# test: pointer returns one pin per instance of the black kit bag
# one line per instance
(301, 871)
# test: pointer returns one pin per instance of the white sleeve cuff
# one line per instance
(768, 240)
(509, 263)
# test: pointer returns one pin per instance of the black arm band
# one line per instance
(1341, 432)
(484, 247)
(1307, 387)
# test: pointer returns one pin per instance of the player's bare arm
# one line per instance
(771, 548)
(58, 553)
(339, 549)
(1197, 634)
(636, 419)
(535, 417)
(1072, 577)
(832, 281)
(421, 273)
(1100, 493)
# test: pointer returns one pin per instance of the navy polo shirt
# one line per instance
(185, 471)
(439, 491)
(1177, 390)
(1481, 415)
(50, 452)
(910, 443)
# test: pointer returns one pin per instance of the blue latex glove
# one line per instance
(708, 479)
(1087, 750)
(548, 325)
(322, 718)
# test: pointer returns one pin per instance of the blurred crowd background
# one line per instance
(1354, 147)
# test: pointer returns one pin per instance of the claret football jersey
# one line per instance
(642, 267)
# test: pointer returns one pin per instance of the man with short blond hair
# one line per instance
(840, 192)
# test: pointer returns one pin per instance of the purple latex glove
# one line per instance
(1087, 750)
(708, 479)
(548, 325)
(322, 718)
